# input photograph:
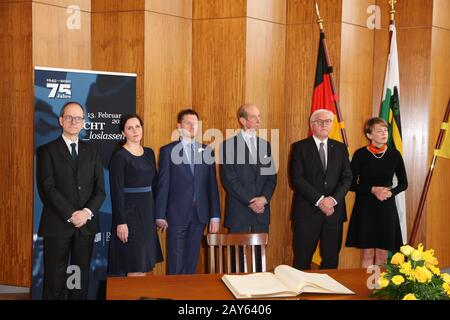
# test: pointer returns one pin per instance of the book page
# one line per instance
(309, 282)
(256, 284)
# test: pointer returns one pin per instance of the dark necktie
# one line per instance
(74, 151)
(192, 158)
(322, 156)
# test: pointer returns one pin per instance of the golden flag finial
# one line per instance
(319, 19)
(392, 10)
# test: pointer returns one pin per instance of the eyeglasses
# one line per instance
(74, 119)
(323, 122)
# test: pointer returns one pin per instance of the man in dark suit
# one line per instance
(70, 182)
(320, 177)
(248, 175)
(187, 197)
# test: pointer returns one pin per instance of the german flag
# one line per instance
(323, 95)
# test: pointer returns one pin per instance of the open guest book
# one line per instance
(284, 282)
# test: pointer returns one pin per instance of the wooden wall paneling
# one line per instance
(117, 5)
(441, 9)
(179, 8)
(16, 106)
(167, 82)
(269, 10)
(204, 9)
(304, 11)
(118, 45)
(55, 44)
(380, 57)
(438, 202)
(409, 13)
(301, 56)
(355, 11)
(218, 71)
(84, 5)
(265, 79)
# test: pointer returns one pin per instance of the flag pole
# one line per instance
(333, 87)
(423, 197)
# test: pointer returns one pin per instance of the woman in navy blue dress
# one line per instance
(134, 247)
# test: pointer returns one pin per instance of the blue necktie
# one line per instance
(74, 151)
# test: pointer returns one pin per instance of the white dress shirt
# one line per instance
(247, 135)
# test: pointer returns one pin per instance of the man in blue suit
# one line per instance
(187, 197)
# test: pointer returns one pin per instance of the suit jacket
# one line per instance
(66, 186)
(310, 182)
(244, 178)
(177, 187)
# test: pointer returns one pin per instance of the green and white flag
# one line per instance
(390, 111)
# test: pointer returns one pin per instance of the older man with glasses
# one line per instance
(321, 177)
(70, 182)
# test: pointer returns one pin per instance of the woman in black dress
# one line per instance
(374, 225)
(134, 247)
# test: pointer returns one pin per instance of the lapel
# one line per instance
(64, 151)
(331, 158)
(82, 152)
(315, 153)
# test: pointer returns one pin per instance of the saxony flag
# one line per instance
(390, 111)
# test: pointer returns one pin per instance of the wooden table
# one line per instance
(211, 287)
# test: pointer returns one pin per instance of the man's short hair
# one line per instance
(63, 109)
(186, 112)
(315, 113)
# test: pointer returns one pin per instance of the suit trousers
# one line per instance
(56, 259)
(308, 233)
(256, 228)
(183, 246)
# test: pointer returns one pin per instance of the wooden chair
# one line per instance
(225, 241)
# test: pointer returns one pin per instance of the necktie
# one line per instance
(253, 147)
(192, 162)
(322, 156)
(74, 151)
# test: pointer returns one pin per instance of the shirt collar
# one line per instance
(187, 142)
(317, 141)
(69, 142)
(248, 134)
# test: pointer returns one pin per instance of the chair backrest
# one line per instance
(223, 242)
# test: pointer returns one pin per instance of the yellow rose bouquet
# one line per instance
(413, 274)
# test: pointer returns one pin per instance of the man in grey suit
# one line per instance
(320, 177)
(248, 175)
(69, 176)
